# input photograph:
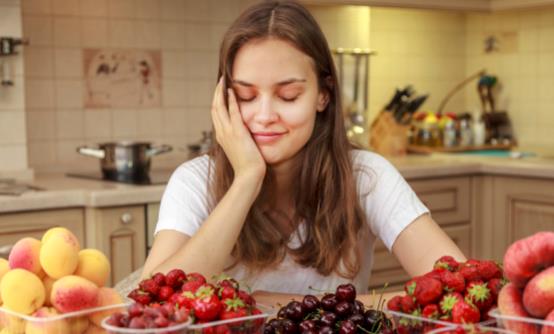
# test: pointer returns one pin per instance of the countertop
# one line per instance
(61, 191)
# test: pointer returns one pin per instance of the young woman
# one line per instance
(284, 202)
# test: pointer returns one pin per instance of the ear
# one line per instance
(322, 100)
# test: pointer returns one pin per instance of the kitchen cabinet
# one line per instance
(119, 232)
(520, 208)
(449, 200)
(466, 5)
(14, 226)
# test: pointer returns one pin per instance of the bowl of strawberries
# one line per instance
(179, 303)
(453, 292)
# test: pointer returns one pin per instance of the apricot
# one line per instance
(92, 329)
(510, 303)
(22, 291)
(94, 266)
(73, 293)
(47, 327)
(48, 282)
(59, 254)
(106, 297)
(4, 268)
(78, 325)
(538, 295)
(12, 324)
(25, 255)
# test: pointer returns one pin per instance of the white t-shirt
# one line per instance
(388, 201)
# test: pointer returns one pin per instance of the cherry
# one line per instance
(344, 309)
(346, 292)
(289, 327)
(357, 319)
(310, 303)
(294, 311)
(329, 301)
(325, 330)
(373, 319)
(328, 319)
(307, 325)
(358, 307)
(347, 327)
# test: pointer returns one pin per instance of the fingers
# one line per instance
(234, 113)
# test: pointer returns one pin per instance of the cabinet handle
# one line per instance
(126, 218)
(5, 251)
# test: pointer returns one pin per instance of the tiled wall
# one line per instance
(13, 150)
(524, 64)
(187, 32)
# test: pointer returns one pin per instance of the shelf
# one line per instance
(429, 150)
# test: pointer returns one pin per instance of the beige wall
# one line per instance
(524, 65)
(187, 32)
(13, 150)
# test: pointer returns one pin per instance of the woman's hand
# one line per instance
(234, 137)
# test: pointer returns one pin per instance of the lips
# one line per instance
(267, 137)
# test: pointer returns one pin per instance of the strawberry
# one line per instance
(448, 301)
(410, 286)
(431, 311)
(165, 293)
(427, 291)
(140, 296)
(175, 278)
(489, 270)
(435, 273)
(185, 299)
(159, 278)
(246, 298)
(224, 280)
(495, 285)
(395, 304)
(407, 304)
(453, 281)
(206, 306)
(191, 286)
(479, 294)
(446, 262)
(196, 277)
(233, 308)
(227, 292)
(470, 271)
(150, 286)
(465, 313)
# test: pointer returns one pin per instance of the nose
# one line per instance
(266, 113)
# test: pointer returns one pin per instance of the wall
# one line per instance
(187, 32)
(524, 66)
(13, 150)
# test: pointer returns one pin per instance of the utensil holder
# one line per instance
(387, 137)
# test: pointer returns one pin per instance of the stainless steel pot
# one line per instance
(125, 161)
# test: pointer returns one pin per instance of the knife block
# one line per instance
(387, 137)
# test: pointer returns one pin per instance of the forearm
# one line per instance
(209, 249)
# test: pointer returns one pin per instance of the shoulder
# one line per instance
(366, 161)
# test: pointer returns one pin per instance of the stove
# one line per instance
(155, 177)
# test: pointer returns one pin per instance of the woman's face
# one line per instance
(277, 91)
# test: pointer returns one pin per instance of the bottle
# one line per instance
(465, 133)
(478, 130)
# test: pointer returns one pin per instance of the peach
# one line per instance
(59, 254)
(510, 303)
(527, 257)
(22, 291)
(78, 325)
(538, 296)
(94, 266)
(25, 255)
(4, 268)
(48, 282)
(73, 293)
(47, 327)
(106, 297)
(549, 329)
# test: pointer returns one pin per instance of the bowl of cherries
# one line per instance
(338, 312)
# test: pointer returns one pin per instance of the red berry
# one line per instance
(159, 278)
(175, 278)
(465, 313)
(165, 293)
(447, 262)
(150, 286)
(395, 304)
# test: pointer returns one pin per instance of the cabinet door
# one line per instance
(119, 233)
(14, 226)
(522, 207)
(448, 199)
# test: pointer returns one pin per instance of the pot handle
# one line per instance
(91, 152)
(158, 150)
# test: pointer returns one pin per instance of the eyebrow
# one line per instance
(280, 83)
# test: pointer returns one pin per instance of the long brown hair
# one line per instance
(325, 196)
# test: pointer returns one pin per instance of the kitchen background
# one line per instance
(43, 118)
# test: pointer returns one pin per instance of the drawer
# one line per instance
(448, 199)
(386, 269)
(15, 226)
